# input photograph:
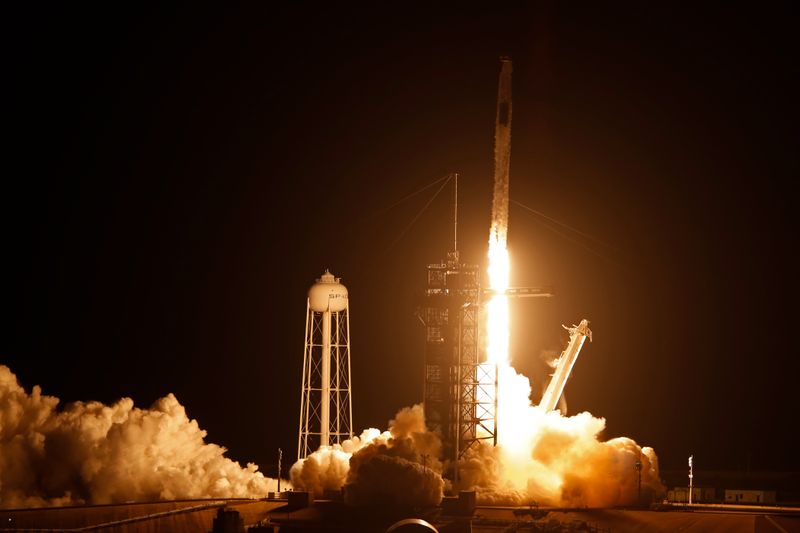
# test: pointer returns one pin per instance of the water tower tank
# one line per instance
(327, 294)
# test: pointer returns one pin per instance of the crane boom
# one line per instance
(520, 292)
(564, 364)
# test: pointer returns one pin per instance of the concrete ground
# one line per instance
(197, 515)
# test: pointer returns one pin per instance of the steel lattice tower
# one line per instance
(460, 388)
(326, 405)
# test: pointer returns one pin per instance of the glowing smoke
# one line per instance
(399, 467)
(327, 468)
(96, 453)
(543, 456)
(555, 460)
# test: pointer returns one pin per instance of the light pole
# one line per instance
(638, 466)
(280, 456)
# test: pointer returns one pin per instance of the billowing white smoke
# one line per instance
(399, 467)
(96, 453)
(327, 468)
(541, 457)
(555, 460)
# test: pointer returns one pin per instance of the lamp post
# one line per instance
(638, 466)
(280, 456)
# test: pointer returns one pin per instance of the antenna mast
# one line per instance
(455, 213)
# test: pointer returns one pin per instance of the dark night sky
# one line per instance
(176, 178)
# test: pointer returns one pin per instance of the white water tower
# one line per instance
(326, 405)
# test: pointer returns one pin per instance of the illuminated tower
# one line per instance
(459, 393)
(461, 367)
(460, 389)
(326, 405)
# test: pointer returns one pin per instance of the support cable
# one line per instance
(424, 208)
(574, 230)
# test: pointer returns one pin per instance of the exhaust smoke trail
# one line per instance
(89, 452)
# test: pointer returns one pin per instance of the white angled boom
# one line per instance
(564, 364)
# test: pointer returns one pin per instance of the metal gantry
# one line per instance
(460, 387)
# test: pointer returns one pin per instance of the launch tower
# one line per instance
(461, 386)
(460, 391)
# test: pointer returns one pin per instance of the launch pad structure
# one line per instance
(461, 386)
(460, 391)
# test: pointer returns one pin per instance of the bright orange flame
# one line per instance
(497, 329)
(512, 401)
(497, 324)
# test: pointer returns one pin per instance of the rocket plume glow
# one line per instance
(497, 328)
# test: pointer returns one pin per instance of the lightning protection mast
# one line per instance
(326, 405)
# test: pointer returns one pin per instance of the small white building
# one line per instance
(749, 496)
(699, 495)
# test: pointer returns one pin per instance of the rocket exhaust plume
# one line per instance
(95, 453)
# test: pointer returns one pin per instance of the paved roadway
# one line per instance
(189, 516)
(645, 521)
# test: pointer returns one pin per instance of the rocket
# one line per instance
(502, 154)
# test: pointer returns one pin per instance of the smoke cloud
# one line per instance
(398, 467)
(555, 460)
(541, 457)
(95, 453)
(327, 468)
(89, 452)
